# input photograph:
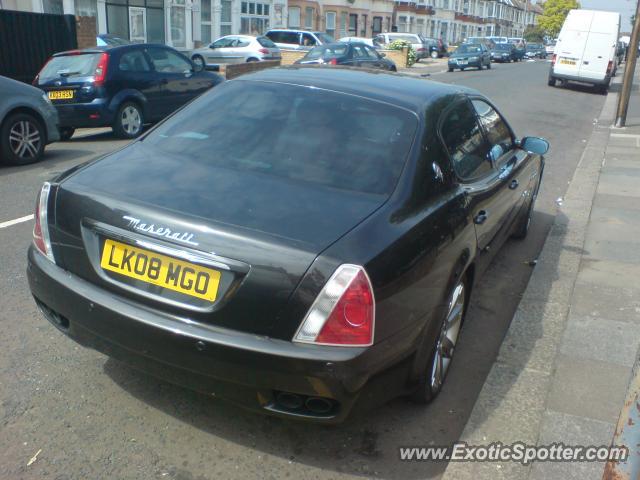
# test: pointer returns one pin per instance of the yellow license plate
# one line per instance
(60, 94)
(568, 62)
(161, 270)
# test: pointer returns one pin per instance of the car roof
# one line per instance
(404, 91)
(109, 48)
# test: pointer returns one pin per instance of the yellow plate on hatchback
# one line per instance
(60, 94)
(167, 272)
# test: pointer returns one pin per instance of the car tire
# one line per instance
(551, 81)
(434, 54)
(450, 70)
(198, 60)
(489, 66)
(66, 133)
(431, 377)
(129, 121)
(22, 139)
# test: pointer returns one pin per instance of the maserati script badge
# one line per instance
(160, 231)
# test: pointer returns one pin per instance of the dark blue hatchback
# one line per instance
(122, 87)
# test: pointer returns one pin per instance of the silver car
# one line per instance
(28, 122)
(236, 49)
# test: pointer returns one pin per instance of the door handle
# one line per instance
(514, 184)
(481, 217)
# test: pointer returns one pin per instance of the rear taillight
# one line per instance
(41, 228)
(553, 59)
(333, 61)
(610, 68)
(343, 314)
(264, 50)
(101, 69)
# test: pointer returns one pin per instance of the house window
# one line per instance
(254, 18)
(377, 25)
(178, 32)
(330, 23)
(225, 17)
(363, 26)
(294, 17)
(344, 18)
(353, 24)
(308, 17)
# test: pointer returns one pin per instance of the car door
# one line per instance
(487, 193)
(236, 51)
(374, 59)
(218, 51)
(360, 56)
(513, 164)
(135, 73)
(176, 74)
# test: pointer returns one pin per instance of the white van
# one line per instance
(586, 48)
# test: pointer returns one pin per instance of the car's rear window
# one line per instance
(81, 65)
(326, 52)
(324, 37)
(297, 133)
(503, 46)
(266, 43)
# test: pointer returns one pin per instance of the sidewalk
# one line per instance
(564, 369)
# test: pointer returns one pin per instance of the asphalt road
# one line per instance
(90, 417)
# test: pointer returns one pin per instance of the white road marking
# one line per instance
(15, 221)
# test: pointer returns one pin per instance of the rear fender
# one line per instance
(128, 94)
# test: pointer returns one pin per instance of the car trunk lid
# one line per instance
(260, 233)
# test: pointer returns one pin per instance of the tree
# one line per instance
(554, 14)
(534, 34)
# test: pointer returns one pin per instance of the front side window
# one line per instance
(166, 61)
(308, 40)
(496, 129)
(350, 143)
(464, 141)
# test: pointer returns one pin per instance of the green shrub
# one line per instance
(399, 45)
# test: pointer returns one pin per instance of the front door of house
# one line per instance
(138, 24)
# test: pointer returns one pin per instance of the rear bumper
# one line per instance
(85, 115)
(244, 368)
(574, 78)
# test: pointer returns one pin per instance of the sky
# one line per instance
(625, 7)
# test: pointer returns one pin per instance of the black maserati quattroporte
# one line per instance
(296, 241)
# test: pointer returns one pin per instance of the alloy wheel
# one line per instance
(131, 120)
(447, 338)
(24, 139)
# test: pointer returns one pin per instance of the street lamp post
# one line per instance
(629, 71)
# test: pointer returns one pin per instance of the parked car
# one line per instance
(550, 47)
(369, 41)
(28, 122)
(470, 55)
(535, 50)
(236, 49)
(504, 52)
(586, 48)
(422, 51)
(436, 48)
(347, 54)
(110, 40)
(121, 87)
(297, 39)
(359, 295)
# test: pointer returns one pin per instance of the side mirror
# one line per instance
(382, 54)
(534, 145)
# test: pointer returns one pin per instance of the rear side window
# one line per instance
(284, 37)
(134, 61)
(166, 61)
(266, 43)
(349, 142)
(465, 143)
(81, 65)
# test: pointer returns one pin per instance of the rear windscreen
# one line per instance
(81, 65)
(293, 132)
(326, 52)
(265, 42)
